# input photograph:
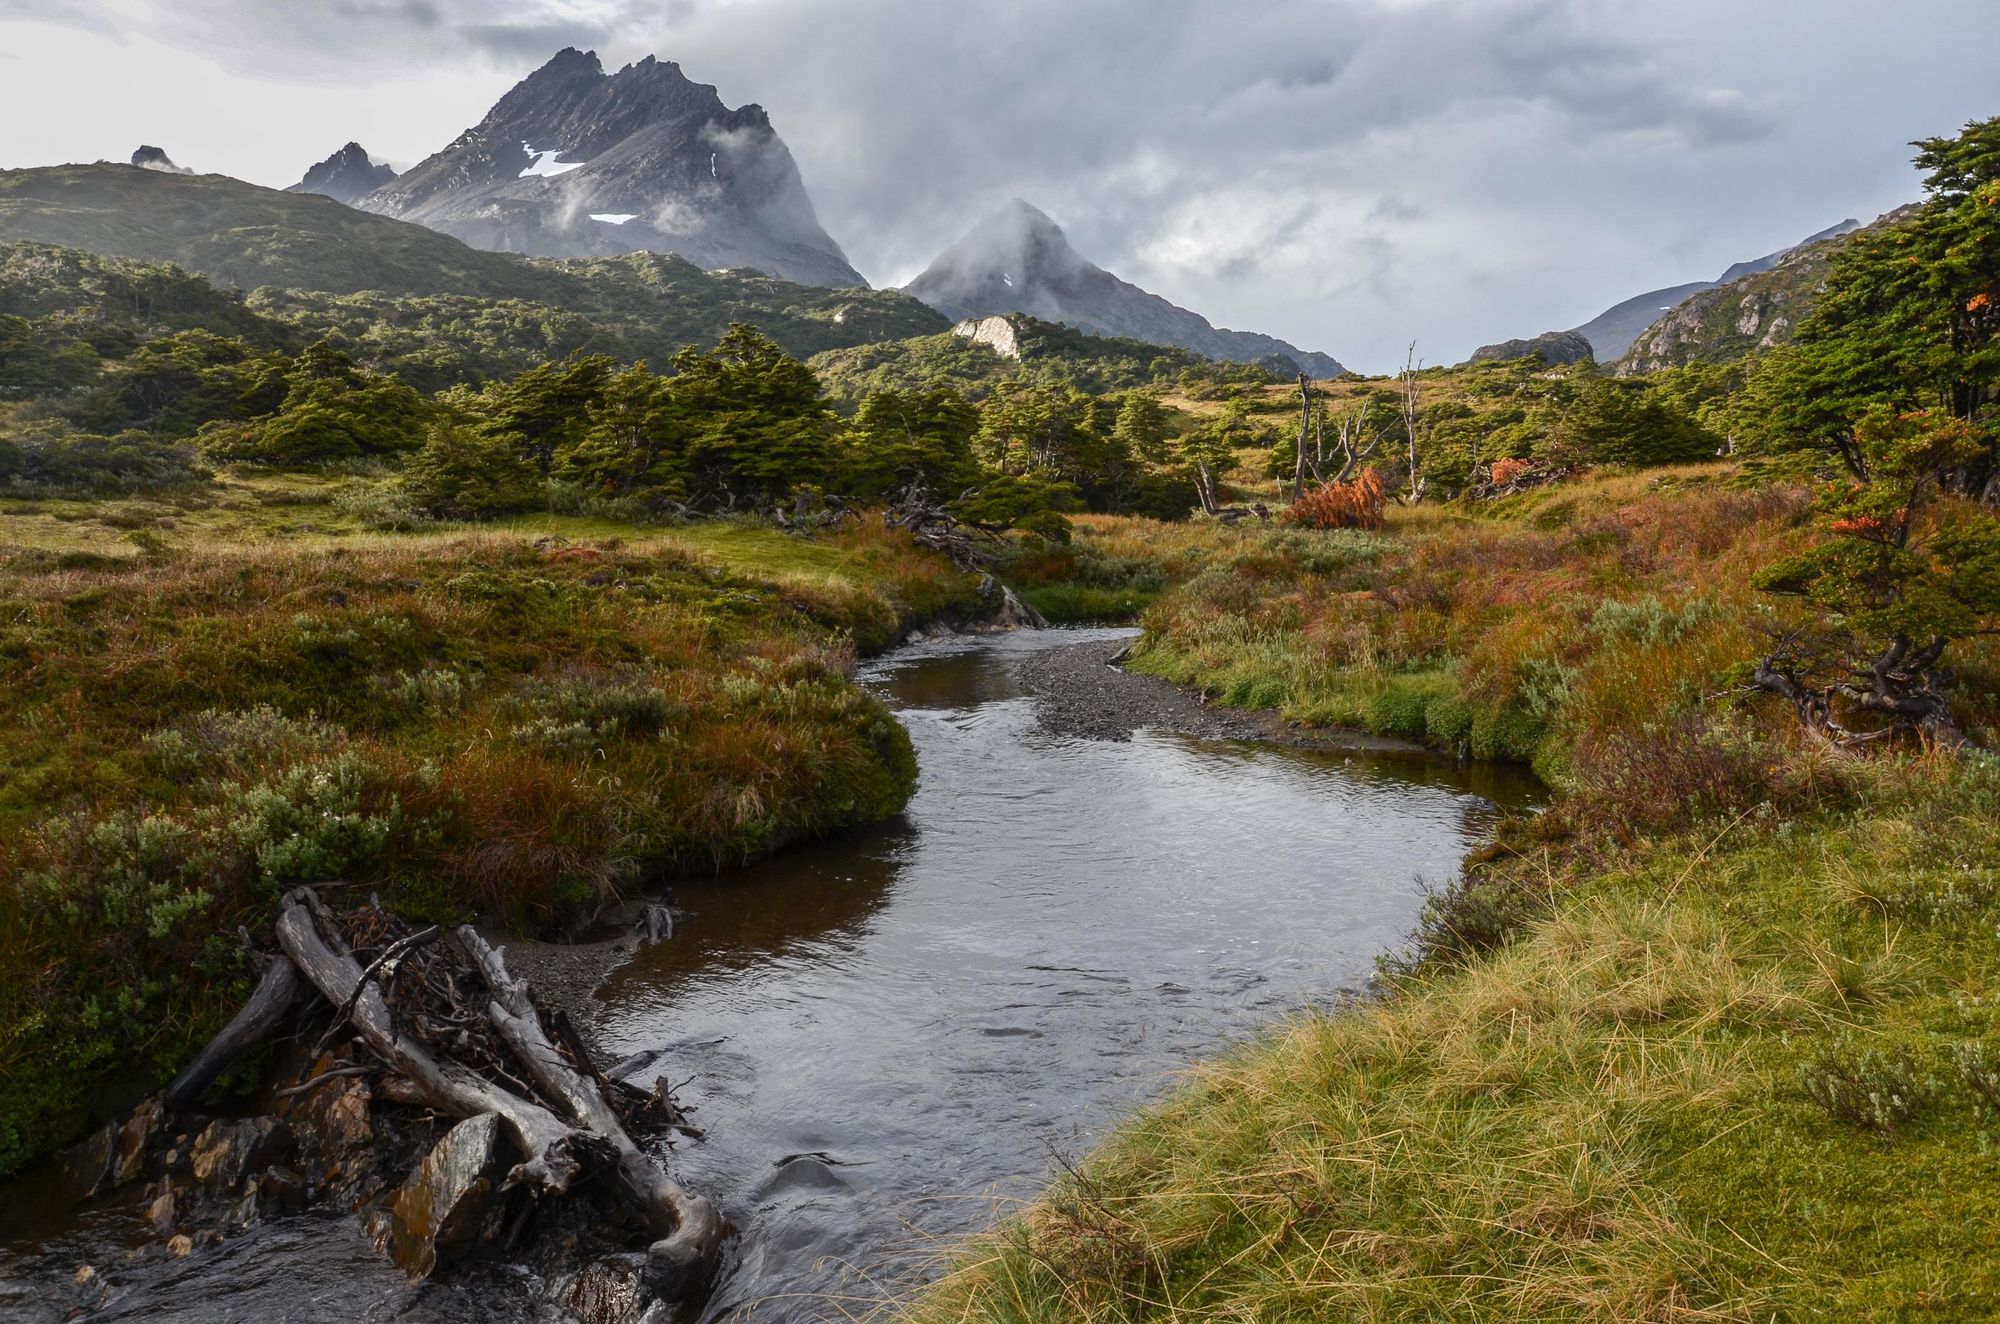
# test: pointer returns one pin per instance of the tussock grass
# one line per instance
(1714, 1038)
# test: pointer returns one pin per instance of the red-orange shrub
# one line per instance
(1356, 504)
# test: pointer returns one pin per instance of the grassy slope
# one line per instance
(209, 703)
(1740, 1058)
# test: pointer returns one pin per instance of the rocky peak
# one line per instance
(575, 162)
(1018, 260)
(345, 175)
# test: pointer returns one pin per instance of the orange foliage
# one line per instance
(1506, 471)
(1356, 504)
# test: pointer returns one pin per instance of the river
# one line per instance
(892, 1038)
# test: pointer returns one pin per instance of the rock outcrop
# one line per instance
(345, 176)
(1612, 332)
(1554, 348)
(1759, 309)
(1019, 261)
(154, 158)
(574, 162)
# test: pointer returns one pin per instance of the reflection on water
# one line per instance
(887, 1035)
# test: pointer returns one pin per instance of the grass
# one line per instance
(521, 723)
(1714, 1038)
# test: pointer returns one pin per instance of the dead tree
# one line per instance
(1305, 428)
(570, 1131)
(1412, 422)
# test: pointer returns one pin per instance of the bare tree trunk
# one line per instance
(1411, 417)
(689, 1228)
(1305, 428)
(547, 1142)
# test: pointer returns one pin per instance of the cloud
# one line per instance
(1345, 173)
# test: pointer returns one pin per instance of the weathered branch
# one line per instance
(278, 987)
(548, 1144)
(689, 1228)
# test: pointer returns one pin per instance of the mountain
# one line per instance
(331, 269)
(1019, 261)
(1554, 348)
(1612, 331)
(345, 175)
(1760, 307)
(574, 162)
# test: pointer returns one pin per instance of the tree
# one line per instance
(1903, 576)
(1909, 321)
(1410, 404)
(758, 423)
(331, 411)
(633, 442)
(1143, 427)
(543, 409)
(902, 437)
(1210, 453)
(461, 473)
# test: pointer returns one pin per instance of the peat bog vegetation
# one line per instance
(305, 587)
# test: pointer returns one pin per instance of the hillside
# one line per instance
(1754, 311)
(1612, 332)
(1019, 261)
(972, 363)
(363, 270)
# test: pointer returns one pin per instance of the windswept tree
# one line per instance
(900, 438)
(758, 424)
(1909, 321)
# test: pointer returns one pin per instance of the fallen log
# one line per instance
(688, 1228)
(270, 1004)
(550, 1146)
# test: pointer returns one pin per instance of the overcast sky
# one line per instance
(1347, 174)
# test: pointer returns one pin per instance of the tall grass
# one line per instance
(1714, 1038)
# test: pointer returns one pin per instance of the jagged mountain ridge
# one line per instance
(575, 162)
(345, 176)
(1612, 332)
(1759, 309)
(1019, 261)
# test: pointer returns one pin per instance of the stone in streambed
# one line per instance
(443, 1210)
(226, 1153)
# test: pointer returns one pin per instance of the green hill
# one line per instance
(237, 234)
(1030, 350)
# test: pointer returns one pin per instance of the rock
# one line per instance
(607, 1291)
(160, 1213)
(153, 158)
(22, 1304)
(281, 1190)
(1553, 348)
(88, 1165)
(134, 1139)
(442, 1211)
(226, 1153)
(180, 1247)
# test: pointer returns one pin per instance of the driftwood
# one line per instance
(546, 1141)
(689, 1228)
(270, 1005)
(570, 1129)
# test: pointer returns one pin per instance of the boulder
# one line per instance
(226, 1153)
(443, 1210)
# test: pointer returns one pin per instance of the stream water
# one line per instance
(891, 1038)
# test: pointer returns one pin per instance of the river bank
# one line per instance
(882, 1035)
(1714, 1038)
